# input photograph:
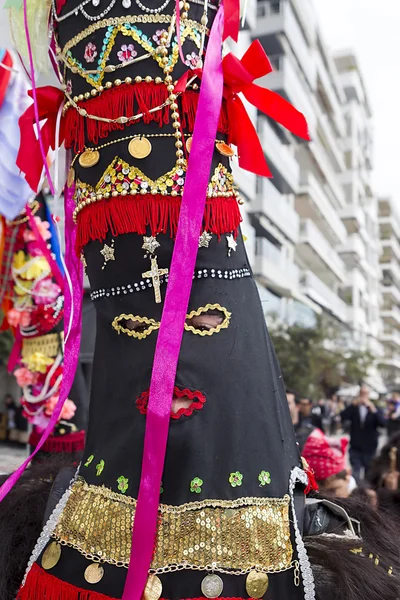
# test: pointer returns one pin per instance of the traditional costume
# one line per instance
(215, 508)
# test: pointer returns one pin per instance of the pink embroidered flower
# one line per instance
(43, 227)
(69, 86)
(25, 319)
(45, 291)
(25, 377)
(158, 34)
(13, 317)
(192, 60)
(67, 412)
(126, 53)
(34, 249)
(90, 52)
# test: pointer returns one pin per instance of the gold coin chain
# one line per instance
(34, 208)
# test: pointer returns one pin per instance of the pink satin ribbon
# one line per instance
(72, 307)
(174, 313)
(55, 270)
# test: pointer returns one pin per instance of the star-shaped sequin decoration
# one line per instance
(205, 239)
(108, 252)
(232, 244)
(150, 244)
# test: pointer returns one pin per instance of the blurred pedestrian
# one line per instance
(310, 414)
(393, 415)
(364, 419)
(303, 428)
(11, 411)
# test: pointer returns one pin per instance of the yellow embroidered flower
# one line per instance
(38, 266)
(19, 259)
(38, 362)
(21, 287)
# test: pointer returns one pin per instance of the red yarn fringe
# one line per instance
(133, 214)
(129, 100)
(69, 443)
(41, 585)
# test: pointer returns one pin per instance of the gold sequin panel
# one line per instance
(49, 345)
(227, 536)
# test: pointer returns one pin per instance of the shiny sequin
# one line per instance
(236, 479)
(100, 467)
(195, 485)
(264, 478)
(89, 460)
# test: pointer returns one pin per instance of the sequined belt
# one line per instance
(228, 536)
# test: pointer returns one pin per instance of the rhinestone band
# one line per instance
(144, 284)
(152, 10)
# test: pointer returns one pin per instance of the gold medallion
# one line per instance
(153, 589)
(225, 149)
(51, 556)
(256, 584)
(71, 177)
(89, 158)
(212, 586)
(189, 142)
(139, 147)
(94, 573)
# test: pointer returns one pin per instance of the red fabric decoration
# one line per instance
(132, 214)
(68, 443)
(231, 19)
(198, 398)
(129, 100)
(322, 456)
(5, 75)
(29, 158)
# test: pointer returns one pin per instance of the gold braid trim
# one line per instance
(228, 536)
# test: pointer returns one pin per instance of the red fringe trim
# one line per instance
(69, 443)
(198, 398)
(133, 214)
(129, 100)
(41, 585)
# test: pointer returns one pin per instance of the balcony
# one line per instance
(391, 337)
(321, 158)
(323, 295)
(391, 250)
(319, 255)
(286, 80)
(332, 142)
(274, 269)
(283, 164)
(391, 293)
(274, 206)
(353, 251)
(353, 217)
(391, 316)
(391, 273)
(388, 226)
(314, 204)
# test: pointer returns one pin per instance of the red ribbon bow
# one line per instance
(239, 75)
(231, 19)
(29, 158)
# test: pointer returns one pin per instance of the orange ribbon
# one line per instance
(29, 158)
(239, 75)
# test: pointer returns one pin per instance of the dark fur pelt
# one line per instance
(21, 521)
(342, 575)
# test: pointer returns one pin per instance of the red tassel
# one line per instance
(69, 443)
(133, 214)
(127, 100)
(41, 585)
(312, 482)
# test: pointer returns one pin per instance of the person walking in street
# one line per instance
(365, 419)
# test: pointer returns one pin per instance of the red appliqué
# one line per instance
(197, 397)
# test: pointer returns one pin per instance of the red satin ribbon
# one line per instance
(5, 75)
(239, 75)
(29, 158)
(232, 19)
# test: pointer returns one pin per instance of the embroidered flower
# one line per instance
(43, 227)
(24, 377)
(67, 411)
(161, 488)
(89, 460)
(158, 34)
(123, 483)
(264, 478)
(195, 485)
(90, 52)
(14, 317)
(100, 467)
(126, 53)
(38, 362)
(236, 479)
(45, 291)
(192, 60)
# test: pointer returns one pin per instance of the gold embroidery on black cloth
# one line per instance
(228, 536)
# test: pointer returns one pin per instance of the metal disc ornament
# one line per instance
(89, 158)
(212, 586)
(189, 142)
(256, 584)
(51, 556)
(139, 147)
(71, 177)
(94, 573)
(225, 149)
(153, 589)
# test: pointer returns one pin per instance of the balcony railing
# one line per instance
(274, 206)
(323, 295)
(276, 265)
(310, 234)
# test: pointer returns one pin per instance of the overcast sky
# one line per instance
(371, 28)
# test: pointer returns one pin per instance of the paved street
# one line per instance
(11, 457)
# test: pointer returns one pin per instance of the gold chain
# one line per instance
(34, 208)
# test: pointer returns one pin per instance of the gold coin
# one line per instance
(212, 586)
(153, 589)
(51, 556)
(256, 584)
(71, 177)
(225, 149)
(189, 142)
(94, 573)
(89, 158)
(139, 147)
